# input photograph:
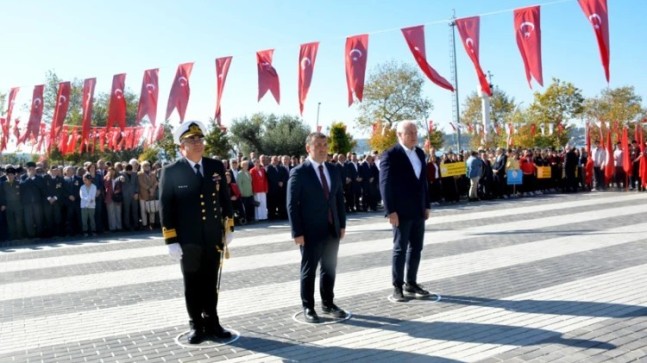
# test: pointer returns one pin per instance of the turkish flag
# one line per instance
(431, 126)
(180, 91)
(222, 68)
(356, 55)
(626, 159)
(148, 96)
(597, 13)
(60, 110)
(62, 144)
(117, 108)
(307, 57)
(12, 100)
(5, 133)
(74, 140)
(528, 32)
(415, 38)
(468, 28)
(36, 114)
(609, 169)
(86, 105)
(268, 79)
(16, 129)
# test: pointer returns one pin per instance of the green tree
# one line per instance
(74, 112)
(341, 142)
(167, 147)
(393, 93)
(616, 106)
(217, 142)
(246, 133)
(284, 136)
(382, 137)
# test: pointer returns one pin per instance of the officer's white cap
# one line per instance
(188, 129)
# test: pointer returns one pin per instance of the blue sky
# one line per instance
(101, 38)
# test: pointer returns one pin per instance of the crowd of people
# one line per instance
(38, 200)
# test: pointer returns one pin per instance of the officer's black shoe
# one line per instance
(217, 331)
(398, 295)
(310, 315)
(334, 310)
(196, 336)
(415, 289)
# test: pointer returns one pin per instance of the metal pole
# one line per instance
(318, 109)
(455, 79)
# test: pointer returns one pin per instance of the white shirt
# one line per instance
(193, 166)
(413, 158)
(326, 173)
(88, 195)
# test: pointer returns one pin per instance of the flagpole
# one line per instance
(455, 104)
(318, 109)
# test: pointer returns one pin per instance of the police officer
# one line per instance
(10, 204)
(32, 195)
(194, 200)
(54, 202)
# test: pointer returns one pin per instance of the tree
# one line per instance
(74, 113)
(382, 137)
(217, 142)
(341, 142)
(393, 93)
(501, 107)
(560, 103)
(166, 145)
(246, 133)
(616, 106)
(285, 136)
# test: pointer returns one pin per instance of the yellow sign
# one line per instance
(452, 169)
(543, 172)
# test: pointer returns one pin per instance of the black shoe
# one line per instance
(217, 331)
(415, 289)
(196, 336)
(310, 315)
(398, 295)
(334, 310)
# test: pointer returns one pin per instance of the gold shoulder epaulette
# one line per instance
(168, 233)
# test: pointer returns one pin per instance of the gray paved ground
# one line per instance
(553, 278)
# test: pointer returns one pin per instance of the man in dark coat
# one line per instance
(318, 220)
(404, 189)
(32, 196)
(194, 202)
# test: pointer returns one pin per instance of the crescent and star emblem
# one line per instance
(150, 87)
(305, 62)
(61, 100)
(469, 42)
(220, 75)
(183, 81)
(596, 24)
(37, 102)
(119, 93)
(355, 54)
(267, 66)
(529, 25)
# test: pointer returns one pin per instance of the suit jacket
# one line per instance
(192, 209)
(499, 164)
(130, 186)
(403, 192)
(307, 206)
(146, 185)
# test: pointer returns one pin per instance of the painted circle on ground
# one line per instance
(432, 298)
(324, 319)
(208, 343)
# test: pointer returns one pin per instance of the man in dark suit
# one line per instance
(194, 201)
(71, 191)
(32, 196)
(403, 185)
(498, 168)
(274, 190)
(317, 216)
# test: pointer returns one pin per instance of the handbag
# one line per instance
(118, 197)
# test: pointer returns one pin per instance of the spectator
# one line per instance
(88, 195)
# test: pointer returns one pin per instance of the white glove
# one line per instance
(175, 251)
(229, 236)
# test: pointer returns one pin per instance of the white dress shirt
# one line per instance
(413, 158)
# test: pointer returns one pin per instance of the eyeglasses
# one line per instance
(194, 140)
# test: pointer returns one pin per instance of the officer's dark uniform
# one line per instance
(71, 187)
(32, 195)
(10, 198)
(52, 210)
(192, 210)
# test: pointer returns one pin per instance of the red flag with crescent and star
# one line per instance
(307, 57)
(609, 168)
(180, 91)
(222, 68)
(626, 152)
(596, 12)
(35, 115)
(117, 107)
(16, 129)
(468, 28)
(12, 100)
(356, 56)
(60, 110)
(4, 136)
(415, 38)
(528, 31)
(86, 105)
(268, 78)
(148, 96)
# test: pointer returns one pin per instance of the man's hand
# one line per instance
(299, 241)
(71, 198)
(342, 233)
(175, 251)
(280, 184)
(3, 208)
(393, 219)
(135, 196)
(427, 213)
